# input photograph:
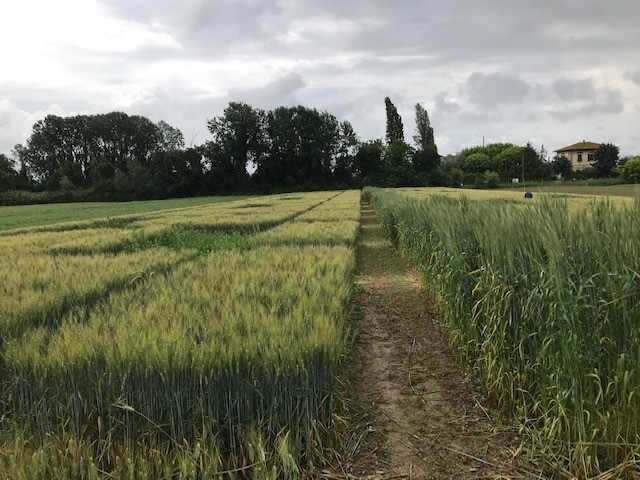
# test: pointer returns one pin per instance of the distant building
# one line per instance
(580, 154)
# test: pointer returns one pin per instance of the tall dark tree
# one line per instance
(8, 174)
(25, 177)
(319, 143)
(395, 130)
(343, 172)
(367, 163)
(424, 131)
(397, 169)
(123, 137)
(133, 182)
(534, 167)
(509, 162)
(238, 142)
(606, 158)
(425, 158)
(562, 166)
(303, 146)
(68, 146)
(178, 173)
(170, 138)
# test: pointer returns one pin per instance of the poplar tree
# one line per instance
(424, 131)
(425, 157)
(395, 130)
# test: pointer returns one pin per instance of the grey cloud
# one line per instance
(470, 32)
(572, 90)
(610, 102)
(467, 32)
(495, 89)
(201, 27)
(5, 118)
(452, 114)
(281, 91)
(189, 112)
(633, 76)
(584, 99)
(477, 31)
(445, 108)
(230, 21)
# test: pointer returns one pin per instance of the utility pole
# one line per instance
(522, 162)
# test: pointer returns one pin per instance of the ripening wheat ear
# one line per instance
(128, 408)
(141, 277)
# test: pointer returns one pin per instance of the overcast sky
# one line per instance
(552, 72)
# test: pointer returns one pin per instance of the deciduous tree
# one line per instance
(631, 169)
(367, 163)
(605, 159)
(397, 170)
(170, 137)
(238, 142)
(561, 165)
(8, 174)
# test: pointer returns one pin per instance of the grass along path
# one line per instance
(419, 413)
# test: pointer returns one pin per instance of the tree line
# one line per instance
(489, 165)
(116, 156)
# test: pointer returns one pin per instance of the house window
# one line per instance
(590, 157)
(579, 157)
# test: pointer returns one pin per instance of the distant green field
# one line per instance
(610, 190)
(32, 215)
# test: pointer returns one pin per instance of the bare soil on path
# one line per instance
(419, 414)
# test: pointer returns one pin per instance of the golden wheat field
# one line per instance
(195, 342)
(576, 200)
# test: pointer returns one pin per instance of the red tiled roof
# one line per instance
(579, 146)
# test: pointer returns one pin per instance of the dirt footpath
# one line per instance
(419, 414)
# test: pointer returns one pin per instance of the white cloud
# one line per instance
(16, 124)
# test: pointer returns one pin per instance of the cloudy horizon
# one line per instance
(553, 72)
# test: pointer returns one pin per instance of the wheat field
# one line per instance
(543, 299)
(197, 342)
